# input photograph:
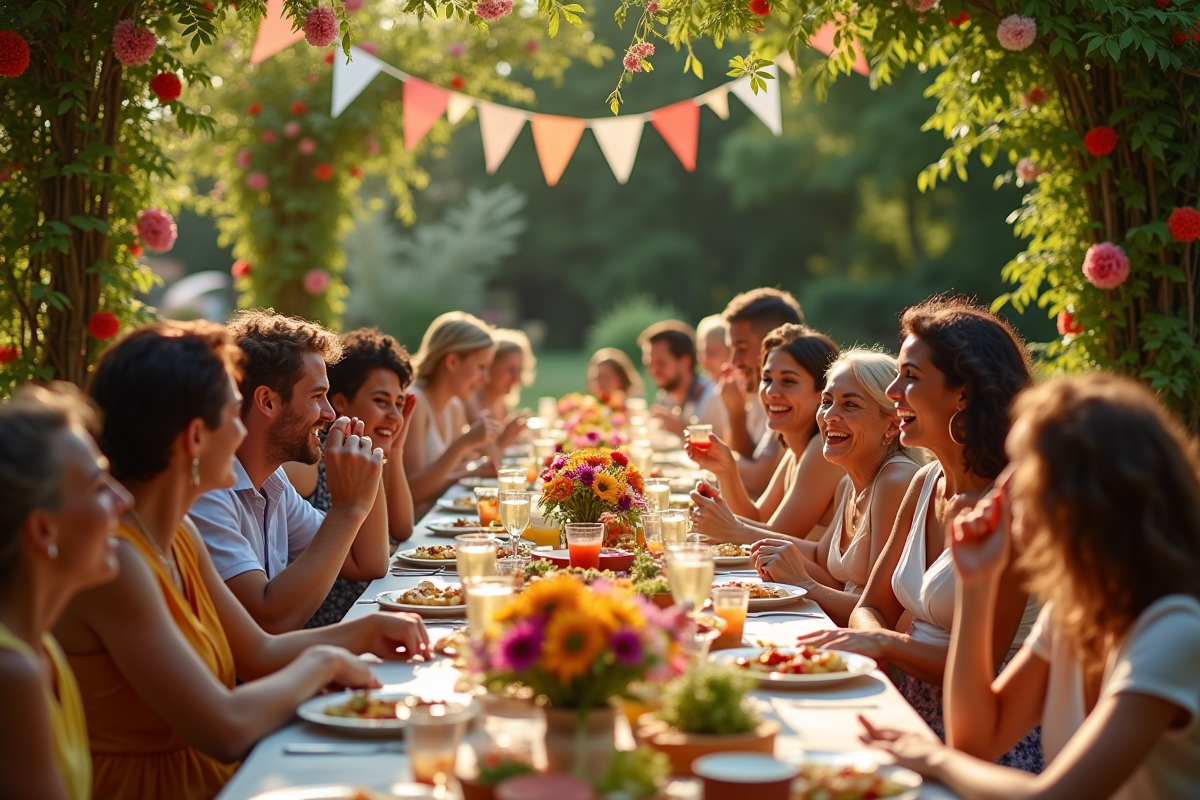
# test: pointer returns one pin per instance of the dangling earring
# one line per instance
(954, 438)
(52, 550)
(196, 471)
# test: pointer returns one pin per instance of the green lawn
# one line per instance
(558, 373)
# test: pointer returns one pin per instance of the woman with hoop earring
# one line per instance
(960, 367)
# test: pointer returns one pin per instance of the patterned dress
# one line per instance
(344, 592)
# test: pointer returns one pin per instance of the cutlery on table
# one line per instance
(330, 749)
(813, 614)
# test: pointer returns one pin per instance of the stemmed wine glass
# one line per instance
(514, 515)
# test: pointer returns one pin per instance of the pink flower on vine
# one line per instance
(1105, 265)
(292, 129)
(245, 158)
(307, 146)
(1016, 32)
(132, 45)
(492, 10)
(456, 49)
(257, 182)
(353, 5)
(636, 54)
(1028, 171)
(921, 6)
(268, 137)
(652, 7)
(156, 228)
(320, 27)
(316, 281)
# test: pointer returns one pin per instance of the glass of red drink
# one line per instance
(700, 436)
(584, 540)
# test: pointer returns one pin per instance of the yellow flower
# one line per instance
(608, 487)
(552, 596)
(627, 614)
(573, 642)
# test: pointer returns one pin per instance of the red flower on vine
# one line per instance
(760, 8)
(959, 18)
(357, 171)
(254, 109)
(1068, 325)
(9, 353)
(1162, 3)
(135, 250)
(1184, 224)
(323, 171)
(132, 45)
(167, 86)
(1034, 97)
(1100, 141)
(104, 325)
(299, 107)
(1179, 38)
(241, 268)
(458, 82)
(14, 54)
(329, 57)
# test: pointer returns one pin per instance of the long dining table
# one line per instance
(820, 720)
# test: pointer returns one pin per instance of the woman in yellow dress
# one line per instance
(58, 508)
(158, 652)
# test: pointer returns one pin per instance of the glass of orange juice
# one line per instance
(730, 604)
(584, 540)
(488, 500)
(542, 531)
(652, 531)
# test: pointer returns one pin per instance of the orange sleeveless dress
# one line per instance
(136, 754)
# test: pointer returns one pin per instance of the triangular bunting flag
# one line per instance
(718, 100)
(679, 125)
(424, 104)
(458, 107)
(499, 126)
(822, 41)
(555, 139)
(619, 139)
(784, 60)
(765, 104)
(350, 79)
(274, 33)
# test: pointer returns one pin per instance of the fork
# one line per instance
(401, 571)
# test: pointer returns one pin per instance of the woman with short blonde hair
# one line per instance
(513, 367)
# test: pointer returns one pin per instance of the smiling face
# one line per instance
(924, 402)
(505, 372)
(468, 372)
(669, 373)
(294, 433)
(379, 403)
(218, 446)
(854, 429)
(745, 348)
(789, 393)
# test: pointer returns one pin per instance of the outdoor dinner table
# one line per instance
(822, 720)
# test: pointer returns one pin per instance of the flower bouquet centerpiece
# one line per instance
(576, 649)
(589, 423)
(594, 485)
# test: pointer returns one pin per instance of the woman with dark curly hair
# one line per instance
(960, 369)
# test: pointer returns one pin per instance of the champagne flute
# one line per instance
(691, 569)
(514, 515)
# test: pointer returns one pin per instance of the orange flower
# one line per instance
(559, 489)
(634, 479)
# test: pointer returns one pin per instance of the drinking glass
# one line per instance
(700, 436)
(488, 501)
(674, 526)
(475, 555)
(690, 569)
(584, 541)
(642, 458)
(511, 479)
(514, 514)
(658, 493)
(513, 567)
(730, 604)
(547, 410)
(434, 733)
(543, 450)
(652, 532)
(542, 531)
(485, 596)
(635, 405)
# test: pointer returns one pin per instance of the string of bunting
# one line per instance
(554, 137)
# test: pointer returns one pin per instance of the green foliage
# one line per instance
(621, 326)
(709, 699)
(635, 773)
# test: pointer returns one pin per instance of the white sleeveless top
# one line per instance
(853, 568)
(435, 445)
(928, 594)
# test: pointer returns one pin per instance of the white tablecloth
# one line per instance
(814, 720)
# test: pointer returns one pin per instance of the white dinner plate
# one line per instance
(408, 791)
(446, 529)
(731, 561)
(794, 593)
(472, 483)
(856, 666)
(867, 760)
(314, 711)
(388, 600)
(408, 557)
(458, 505)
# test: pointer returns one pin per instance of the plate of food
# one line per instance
(431, 555)
(729, 554)
(853, 776)
(797, 665)
(354, 710)
(765, 596)
(427, 598)
(455, 527)
(457, 504)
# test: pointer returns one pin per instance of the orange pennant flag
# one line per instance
(424, 104)
(274, 33)
(822, 40)
(679, 125)
(555, 139)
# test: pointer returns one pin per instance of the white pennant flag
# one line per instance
(350, 79)
(766, 104)
(619, 139)
(717, 100)
(458, 107)
(499, 126)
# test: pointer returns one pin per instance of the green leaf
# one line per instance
(65, 105)
(552, 26)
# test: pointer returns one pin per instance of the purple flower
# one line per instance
(627, 647)
(593, 436)
(558, 463)
(624, 503)
(585, 475)
(521, 646)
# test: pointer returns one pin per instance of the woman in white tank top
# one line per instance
(860, 433)
(960, 368)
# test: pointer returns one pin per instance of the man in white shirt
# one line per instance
(750, 317)
(684, 398)
(278, 554)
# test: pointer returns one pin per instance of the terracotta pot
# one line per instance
(582, 748)
(474, 790)
(684, 748)
(663, 599)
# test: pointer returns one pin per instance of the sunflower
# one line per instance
(559, 489)
(573, 641)
(608, 487)
(552, 595)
